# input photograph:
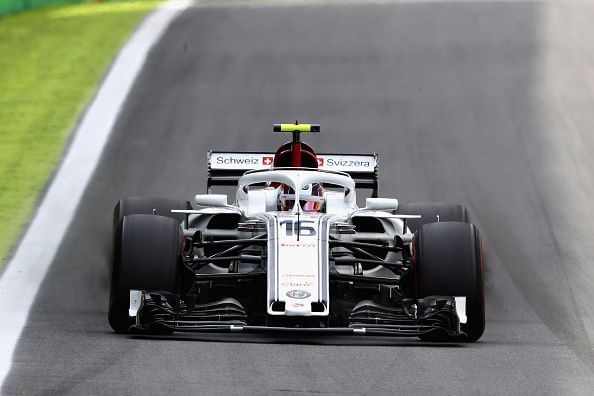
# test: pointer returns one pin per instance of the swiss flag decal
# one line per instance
(320, 161)
(267, 160)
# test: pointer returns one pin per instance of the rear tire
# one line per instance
(146, 205)
(146, 256)
(430, 211)
(449, 263)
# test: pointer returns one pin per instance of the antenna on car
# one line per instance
(296, 129)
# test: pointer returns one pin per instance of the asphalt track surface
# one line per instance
(484, 103)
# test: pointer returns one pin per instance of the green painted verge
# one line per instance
(10, 6)
(51, 61)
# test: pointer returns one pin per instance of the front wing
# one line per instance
(155, 311)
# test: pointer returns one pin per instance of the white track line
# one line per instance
(25, 272)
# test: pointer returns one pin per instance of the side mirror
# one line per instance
(381, 204)
(216, 200)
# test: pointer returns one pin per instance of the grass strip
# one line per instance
(51, 62)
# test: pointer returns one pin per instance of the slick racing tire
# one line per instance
(149, 205)
(448, 262)
(430, 211)
(146, 256)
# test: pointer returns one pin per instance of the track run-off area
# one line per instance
(484, 103)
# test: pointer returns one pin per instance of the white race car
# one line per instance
(294, 253)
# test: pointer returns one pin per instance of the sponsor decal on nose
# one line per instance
(299, 294)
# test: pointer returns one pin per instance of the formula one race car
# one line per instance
(294, 253)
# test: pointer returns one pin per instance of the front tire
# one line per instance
(433, 212)
(146, 256)
(149, 205)
(448, 262)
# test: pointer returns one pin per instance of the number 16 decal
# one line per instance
(298, 227)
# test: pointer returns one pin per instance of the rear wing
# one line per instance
(225, 168)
